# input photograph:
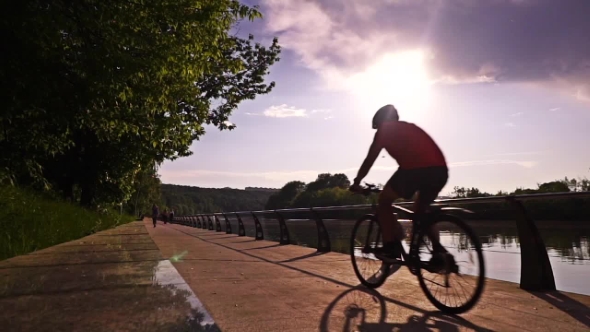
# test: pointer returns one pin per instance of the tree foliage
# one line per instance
(95, 92)
(330, 190)
(187, 200)
(327, 189)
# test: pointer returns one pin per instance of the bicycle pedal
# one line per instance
(391, 260)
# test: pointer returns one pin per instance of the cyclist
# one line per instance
(422, 169)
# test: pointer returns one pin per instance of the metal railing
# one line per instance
(536, 272)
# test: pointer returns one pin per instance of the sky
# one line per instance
(503, 87)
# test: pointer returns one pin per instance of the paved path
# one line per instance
(115, 280)
(138, 278)
(250, 285)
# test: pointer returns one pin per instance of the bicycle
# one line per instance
(419, 236)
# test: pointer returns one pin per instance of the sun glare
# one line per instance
(400, 79)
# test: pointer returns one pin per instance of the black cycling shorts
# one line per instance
(429, 181)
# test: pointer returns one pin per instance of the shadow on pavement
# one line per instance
(334, 281)
(294, 259)
(271, 246)
(362, 309)
(575, 309)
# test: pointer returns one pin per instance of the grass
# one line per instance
(30, 222)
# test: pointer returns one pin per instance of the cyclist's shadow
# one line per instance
(363, 309)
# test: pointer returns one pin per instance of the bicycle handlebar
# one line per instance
(368, 189)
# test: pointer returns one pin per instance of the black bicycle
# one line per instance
(456, 245)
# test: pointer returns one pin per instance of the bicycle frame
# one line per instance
(409, 257)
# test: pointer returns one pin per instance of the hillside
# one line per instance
(191, 200)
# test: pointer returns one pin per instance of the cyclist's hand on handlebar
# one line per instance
(356, 188)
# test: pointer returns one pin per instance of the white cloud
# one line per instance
(525, 164)
(284, 111)
(510, 124)
(555, 109)
(460, 40)
(516, 114)
(526, 153)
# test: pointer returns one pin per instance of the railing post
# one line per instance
(217, 224)
(210, 223)
(259, 232)
(198, 222)
(285, 239)
(227, 224)
(241, 228)
(203, 222)
(536, 273)
(323, 238)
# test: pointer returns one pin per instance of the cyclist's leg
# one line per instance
(432, 183)
(388, 220)
(392, 231)
(421, 205)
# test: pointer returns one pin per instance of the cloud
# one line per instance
(554, 109)
(516, 114)
(186, 176)
(525, 164)
(510, 124)
(525, 41)
(526, 153)
(286, 111)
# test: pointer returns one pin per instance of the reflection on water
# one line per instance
(567, 243)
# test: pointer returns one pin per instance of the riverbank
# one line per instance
(30, 222)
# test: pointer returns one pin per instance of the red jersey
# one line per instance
(409, 145)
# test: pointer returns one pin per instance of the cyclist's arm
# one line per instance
(374, 151)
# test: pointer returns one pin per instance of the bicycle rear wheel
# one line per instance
(456, 276)
(366, 237)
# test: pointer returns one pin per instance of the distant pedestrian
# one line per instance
(155, 214)
(171, 215)
(165, 216)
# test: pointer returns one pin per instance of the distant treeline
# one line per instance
(186, 200)
(330, 190)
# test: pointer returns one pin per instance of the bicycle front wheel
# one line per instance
(455, 284)
(366, 237)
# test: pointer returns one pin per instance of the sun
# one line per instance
(400, 79)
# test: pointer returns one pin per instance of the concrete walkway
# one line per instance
(139, 278)
(250, 285)
(114, 280)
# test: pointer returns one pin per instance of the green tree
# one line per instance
(107, 87)
(554, 186)
(285, 197)
(327, 180)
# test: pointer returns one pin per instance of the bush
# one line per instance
(30, 221)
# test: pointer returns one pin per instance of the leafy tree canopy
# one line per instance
(95, 91)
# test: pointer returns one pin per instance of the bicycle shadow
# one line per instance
(363, 309)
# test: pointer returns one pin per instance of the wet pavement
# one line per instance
(177, 278)
(116, 280)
